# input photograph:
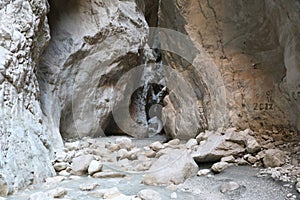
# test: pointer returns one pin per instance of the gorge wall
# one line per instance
(224, 65)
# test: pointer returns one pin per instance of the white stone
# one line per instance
(148, 194)
(88, 187)
(229, 159)
(81, 164)
(203, 172)
(191, 143)
(57, 192)
(95, 166)
(173, 195)
(156, 146)
(219, 166)
(109, 193)
(174, 142)
(298, 187)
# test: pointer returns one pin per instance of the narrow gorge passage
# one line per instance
(149, 99)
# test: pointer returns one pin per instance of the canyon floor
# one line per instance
(123, 168)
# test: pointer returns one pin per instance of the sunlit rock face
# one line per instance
(26, 145)
(247, 60)
(93, 44)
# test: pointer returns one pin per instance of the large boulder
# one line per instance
(274, 158)
(175, 166)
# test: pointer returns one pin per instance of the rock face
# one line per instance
(26, 143)
(244, 67)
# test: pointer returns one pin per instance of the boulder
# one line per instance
(216, 147)
(274, 158)
(173, 167)
(81, 164)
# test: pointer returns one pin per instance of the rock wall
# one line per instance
(247, 59)
(26, 145)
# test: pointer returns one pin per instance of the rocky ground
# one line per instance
(214, 165)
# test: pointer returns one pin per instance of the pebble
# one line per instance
(298, 187)
(60, 166)
(174, 142)
(203, 172)
(124, 143)
(156, 146)
(173, 195)
(229, 159)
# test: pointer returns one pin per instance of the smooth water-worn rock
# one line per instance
(173, 167)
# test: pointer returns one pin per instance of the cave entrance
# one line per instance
(145, 109)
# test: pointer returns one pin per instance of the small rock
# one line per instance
(150, 154)
(191, 143)
(274, 158)
(64, 173)
(112, 147)
(122, 154)
(252, 145)
(219, 166)
(148, 194)
(174, 142)
(108, 175)
(39, 196)
(251, 159)
(173, 195)
(202, 137)
(72, 145)
(81, 164)
(156, 146)
(60, 166)
(88, 187)
(107, 193)
(203, 172)
(95, 166)
(241, 161)
(230, 186)
(57, 192)
(229, 159)
(124, 143)
(3, 186)
(298, 187)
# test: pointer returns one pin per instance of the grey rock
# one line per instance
(124, 143)
(216, 147)
(219, 166)
(174, 142)
(60, 166)
(81, 164)
(173, 167)
(39, 196)
(109, 193)
(228, 159)
(229, 186)
(274, 158)
(88, 187)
